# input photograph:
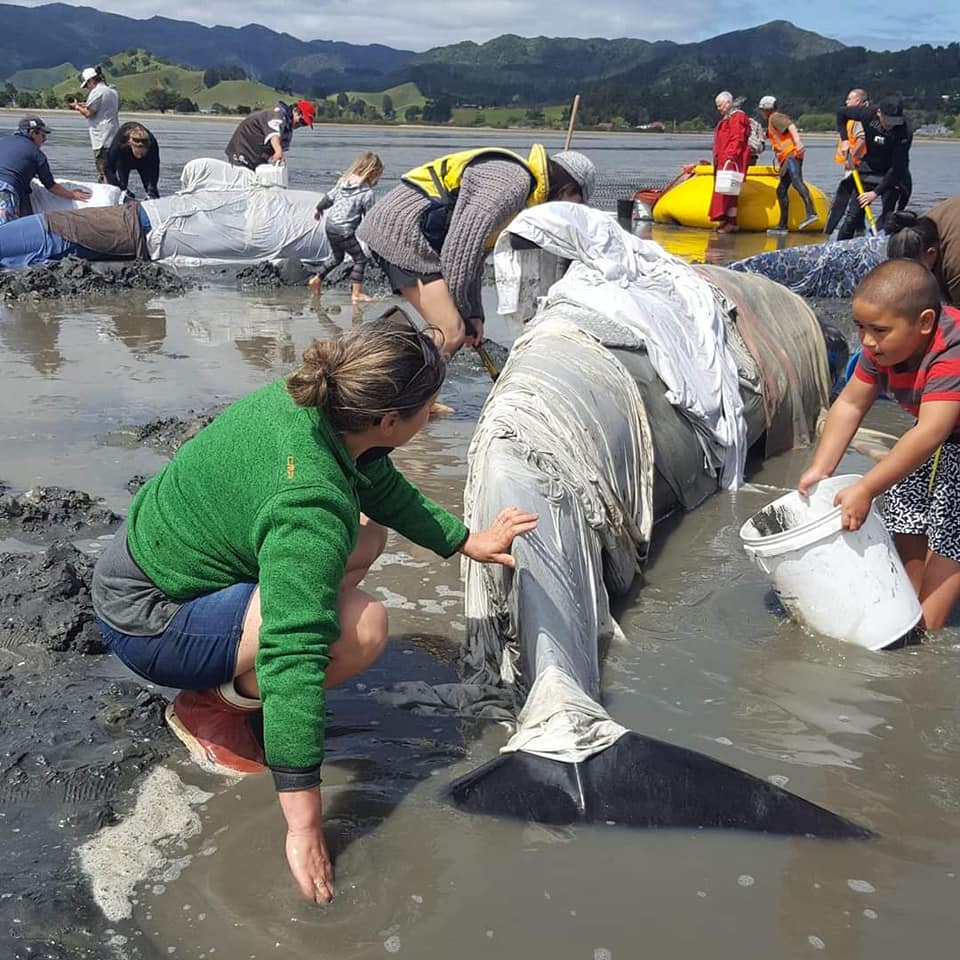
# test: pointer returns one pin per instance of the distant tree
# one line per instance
(412, 114)
(51, 101)
(160, 98)
(106, 63)
(219, 108)
(243, 109)
(283, 82)
(8, 95)
(27, 100)
(343, 101)
(358, 107)
(211, 77)
(387, 107)
(535, 117)
(439, 110)
(185, 105)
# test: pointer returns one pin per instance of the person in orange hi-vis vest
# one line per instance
(785, 141)
(851, 148)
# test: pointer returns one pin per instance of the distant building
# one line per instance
(655, 125)
(933, 130)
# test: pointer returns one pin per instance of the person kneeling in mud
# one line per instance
(94, 233)
(433, 231)
(911, 350)
(347, 204)
(236, 576)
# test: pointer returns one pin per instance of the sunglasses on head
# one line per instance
(139, 142)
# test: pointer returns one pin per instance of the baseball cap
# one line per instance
(88, 73)
(307, 111)
(32, 123)
(892, 110)
(767, 103)
(581, 168)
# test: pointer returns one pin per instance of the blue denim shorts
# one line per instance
(198, 649)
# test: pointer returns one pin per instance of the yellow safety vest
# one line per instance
(441, 178)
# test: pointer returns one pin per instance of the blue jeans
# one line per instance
(198, 649)
(27, 240)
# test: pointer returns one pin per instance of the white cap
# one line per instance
(768, 103)
(88, 73)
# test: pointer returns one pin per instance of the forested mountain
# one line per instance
(630, 80)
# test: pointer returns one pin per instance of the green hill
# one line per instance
(136, 73)
(404, 95)
(42, 78)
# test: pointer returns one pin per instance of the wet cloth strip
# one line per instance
(650, 300)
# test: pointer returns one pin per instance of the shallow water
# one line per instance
(709, 662)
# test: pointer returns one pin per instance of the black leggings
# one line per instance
(791, 174)
(341, 244)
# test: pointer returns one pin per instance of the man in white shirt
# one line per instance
(101, 111)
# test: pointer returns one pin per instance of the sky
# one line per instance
(419, 24)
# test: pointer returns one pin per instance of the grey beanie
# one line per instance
(581, 168)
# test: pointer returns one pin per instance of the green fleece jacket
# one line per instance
(267, 493)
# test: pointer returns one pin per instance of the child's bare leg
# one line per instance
(357, 295)
(913, 551)
(940, 590)
(434, 303)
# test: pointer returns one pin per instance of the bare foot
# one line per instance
(361, 298)
(728, 228)
(438, 409)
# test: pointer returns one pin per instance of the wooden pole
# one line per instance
(573, 120)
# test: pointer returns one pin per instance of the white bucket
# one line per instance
(271, 174)
(845, 584)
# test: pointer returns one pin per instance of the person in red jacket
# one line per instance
(731, 145)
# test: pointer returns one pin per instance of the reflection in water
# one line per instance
(35, 336)
(266, 352)
(142, 328)
(708, 246)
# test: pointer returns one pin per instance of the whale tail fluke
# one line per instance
(643, 782)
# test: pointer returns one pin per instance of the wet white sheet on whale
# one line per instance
(644, 298)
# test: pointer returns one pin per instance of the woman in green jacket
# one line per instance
(235, 577)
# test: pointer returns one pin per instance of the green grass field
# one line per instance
(504, 116)
(403, 96)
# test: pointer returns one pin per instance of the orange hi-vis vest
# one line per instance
(782, 143)
(858, 145)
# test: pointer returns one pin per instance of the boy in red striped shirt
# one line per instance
(911, 351)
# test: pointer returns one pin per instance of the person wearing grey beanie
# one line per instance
(431, 234)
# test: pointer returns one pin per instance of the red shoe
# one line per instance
(218, 734)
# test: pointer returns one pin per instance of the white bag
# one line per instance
(729, 180)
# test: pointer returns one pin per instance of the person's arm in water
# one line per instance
(843, 421)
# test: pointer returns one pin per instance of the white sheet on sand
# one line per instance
(226, 214)
(648, 299)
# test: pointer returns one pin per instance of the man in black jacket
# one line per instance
(885, 167)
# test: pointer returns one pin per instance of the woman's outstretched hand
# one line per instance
(306, 849)
(493, 544)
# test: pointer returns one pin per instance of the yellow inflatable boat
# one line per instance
(688, 203)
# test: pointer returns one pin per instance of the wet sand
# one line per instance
(101, 393)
